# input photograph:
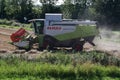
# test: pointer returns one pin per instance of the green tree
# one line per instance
(36, 11)
(18, 9)
(80, 7)
(110, 9)
(12, 9)
(74, 8)
(25, 9)
(67, 9)
(2, 8)
(48, 6)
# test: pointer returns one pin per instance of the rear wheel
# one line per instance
(46, 45)
(78, 46)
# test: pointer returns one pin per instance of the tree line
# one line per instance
(104, 11)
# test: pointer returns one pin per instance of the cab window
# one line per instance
(38, 27)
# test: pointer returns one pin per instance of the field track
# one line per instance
(5, 39)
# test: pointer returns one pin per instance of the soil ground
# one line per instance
(5, 39)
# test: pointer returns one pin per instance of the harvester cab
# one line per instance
(37, 25)
(53, 31)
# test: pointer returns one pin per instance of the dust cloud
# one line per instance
(109, 41)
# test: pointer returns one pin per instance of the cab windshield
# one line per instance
(38, 27)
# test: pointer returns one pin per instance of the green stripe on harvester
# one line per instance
(81, 31)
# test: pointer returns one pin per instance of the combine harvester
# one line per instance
(53, 31)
